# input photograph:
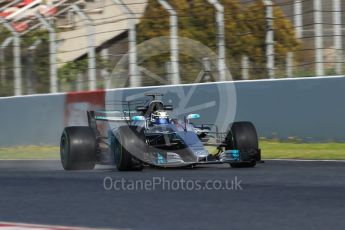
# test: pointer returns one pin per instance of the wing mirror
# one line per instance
(138, 118)
(193, 116)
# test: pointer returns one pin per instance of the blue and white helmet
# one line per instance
(160, 117)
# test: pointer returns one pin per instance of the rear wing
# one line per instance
(118, 110)
(111, 116)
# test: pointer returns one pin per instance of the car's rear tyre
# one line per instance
(243, 137)
(129, 142)
(78, 148)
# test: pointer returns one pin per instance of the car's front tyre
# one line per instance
(243, 137)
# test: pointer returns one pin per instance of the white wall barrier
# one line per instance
(311, 109)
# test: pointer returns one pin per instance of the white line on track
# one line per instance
(21, 226)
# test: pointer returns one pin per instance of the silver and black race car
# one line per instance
(148, 136)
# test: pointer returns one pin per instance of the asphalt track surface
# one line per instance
(275, 195)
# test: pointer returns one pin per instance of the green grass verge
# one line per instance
(270, 149)
(294, 150)
(30, 152)
(313, 151)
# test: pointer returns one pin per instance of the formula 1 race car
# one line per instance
(147, 136)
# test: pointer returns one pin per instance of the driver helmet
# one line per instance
(160, 117)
